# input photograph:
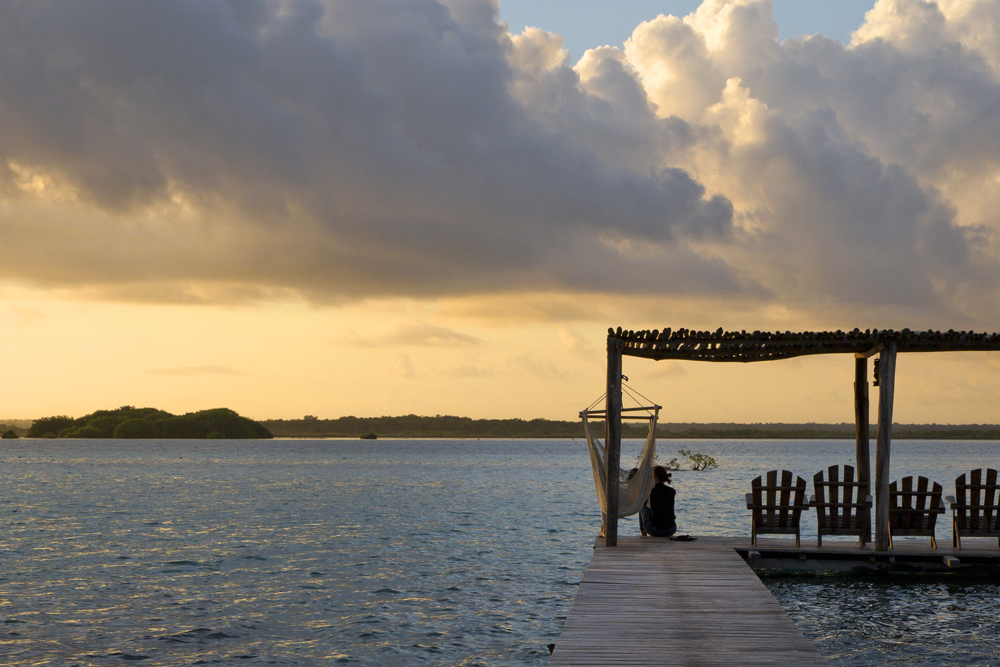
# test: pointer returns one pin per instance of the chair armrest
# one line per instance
(951, 500)
(749, 501)
(868, 499)
(812, 500)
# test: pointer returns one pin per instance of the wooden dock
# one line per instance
(652, 601)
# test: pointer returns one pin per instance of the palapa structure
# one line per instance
(741, 346)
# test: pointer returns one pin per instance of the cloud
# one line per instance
(577, 343)
(529, 364)
(471, 371)
(193, 371)
(207, 151)
(403, 367)
(664, 369)
(24, 316)
(419, 334)
(342, 150)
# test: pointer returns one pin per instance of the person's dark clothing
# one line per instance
(661, 508)
(647, 527)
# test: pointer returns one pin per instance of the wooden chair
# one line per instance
(839, 508)
(776, 507)
(974, 513)
(914, 512)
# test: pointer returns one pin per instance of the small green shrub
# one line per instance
(696, 461)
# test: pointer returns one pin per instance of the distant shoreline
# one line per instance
(444, 427)
(449, 427)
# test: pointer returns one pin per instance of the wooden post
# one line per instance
(887, 381)
(862, 453)
(613, 439)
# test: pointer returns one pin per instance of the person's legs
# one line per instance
(659, 532)
(646, 522)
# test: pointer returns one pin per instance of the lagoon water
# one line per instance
(396, 552)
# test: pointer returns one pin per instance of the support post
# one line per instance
(887, 381)
(861, 449)
(613, 439)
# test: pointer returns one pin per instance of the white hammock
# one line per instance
(632, 493)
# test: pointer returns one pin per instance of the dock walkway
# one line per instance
(657, 602)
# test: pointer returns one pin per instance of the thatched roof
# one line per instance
(747, 346)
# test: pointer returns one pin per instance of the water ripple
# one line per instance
(385, 553)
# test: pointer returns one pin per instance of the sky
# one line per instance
(585, 24)
(348, 207)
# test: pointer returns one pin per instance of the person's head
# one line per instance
(632, 473)
(660, 474)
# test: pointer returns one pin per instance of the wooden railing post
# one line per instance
(861, 449)
(887, 381)
(613, 439)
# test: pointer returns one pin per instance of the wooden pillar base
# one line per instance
(887, 383)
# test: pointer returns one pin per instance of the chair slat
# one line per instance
(840, 506)
(976, 506)
(777, 504)
(914, 511)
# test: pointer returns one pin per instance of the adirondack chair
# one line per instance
(776, 506)
(974, 513)
(914, 512)
(839, 507)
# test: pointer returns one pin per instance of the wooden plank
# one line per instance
(613, 440)
(651, 601)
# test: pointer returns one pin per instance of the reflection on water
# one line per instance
(892, 621)
(392, 552)
(284, 552)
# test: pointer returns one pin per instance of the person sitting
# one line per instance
(657, 516)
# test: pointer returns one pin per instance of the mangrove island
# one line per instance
(142, 423)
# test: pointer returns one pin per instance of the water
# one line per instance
(394, 552)
(895, 622)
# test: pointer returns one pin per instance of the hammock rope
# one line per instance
(632, 491)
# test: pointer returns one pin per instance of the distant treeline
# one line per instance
(827, 431)
(413, 426)
(131, 422)
(16, 426)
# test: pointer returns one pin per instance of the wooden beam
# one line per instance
(861, 450)
(613, 439)
(870, 353)
(741, 346)
(887, 381)
(646, 409)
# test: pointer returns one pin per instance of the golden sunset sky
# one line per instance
(415, 206)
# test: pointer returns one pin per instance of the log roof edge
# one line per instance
(721, 345)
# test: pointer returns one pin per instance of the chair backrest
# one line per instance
(913, 508)
(778, 503)
(977, 500)
(838, 496)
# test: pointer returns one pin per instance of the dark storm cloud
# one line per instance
(345, 149)
(200, 151)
